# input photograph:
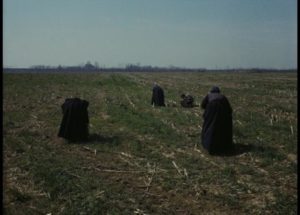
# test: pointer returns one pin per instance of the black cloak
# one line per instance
(74, 124)
(158, 98)
(217, 126)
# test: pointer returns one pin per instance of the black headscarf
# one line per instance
(215, 89)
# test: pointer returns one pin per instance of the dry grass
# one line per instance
(145, 160)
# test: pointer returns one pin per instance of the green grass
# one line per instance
(147, 160)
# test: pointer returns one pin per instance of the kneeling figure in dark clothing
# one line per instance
(217, 126)
(187, 101)
(74, 124)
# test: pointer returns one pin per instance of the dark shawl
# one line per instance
(74, 124)
(217, 126)
(158, 98)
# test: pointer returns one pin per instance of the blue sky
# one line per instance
(185, 33)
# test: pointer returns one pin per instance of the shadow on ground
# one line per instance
(98, 139)
(239, 149)
(104, 139)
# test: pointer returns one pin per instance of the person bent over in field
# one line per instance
(216, 132)
(158, 97)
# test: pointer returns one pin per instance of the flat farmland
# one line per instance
(146, 160)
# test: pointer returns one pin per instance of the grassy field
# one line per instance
(145, 160)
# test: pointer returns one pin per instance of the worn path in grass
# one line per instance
(148, 160)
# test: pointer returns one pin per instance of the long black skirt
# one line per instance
(217, 127)
(74, 124)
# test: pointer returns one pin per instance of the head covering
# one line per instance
(215, 89)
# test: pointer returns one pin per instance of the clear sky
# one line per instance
(184, 33)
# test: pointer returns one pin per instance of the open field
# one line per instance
(145, 160)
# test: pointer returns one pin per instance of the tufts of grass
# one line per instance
(146, 160)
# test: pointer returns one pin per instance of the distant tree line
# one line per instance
(89, 67)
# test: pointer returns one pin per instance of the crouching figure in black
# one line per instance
(187, 101)
(158, 97)
(74, 124)
(217, 126)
